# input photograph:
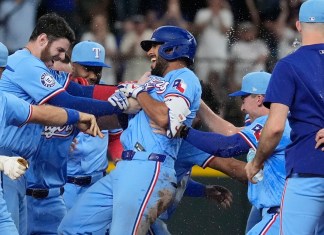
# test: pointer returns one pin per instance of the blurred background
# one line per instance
(234, 37)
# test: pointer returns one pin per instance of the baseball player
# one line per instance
(17, 112)
(54, 173)
(266, 194)
(87, 161)
(295, 91)
(142, 185)
(49, 41)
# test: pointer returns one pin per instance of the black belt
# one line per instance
(273, 210)
(40, 192)
(129, 154)
(304, 175)
(81, 180)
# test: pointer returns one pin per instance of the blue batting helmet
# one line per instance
(175, 43)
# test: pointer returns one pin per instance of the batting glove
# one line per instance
(118, 99)
(13, 167)
(133, 89)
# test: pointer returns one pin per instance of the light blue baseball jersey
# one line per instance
(35, 85)
(267, 192)
(89, 156)
(14, 111)
(96, 210)
(48, 165)
(181, 82)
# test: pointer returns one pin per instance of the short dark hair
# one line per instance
(54, 26)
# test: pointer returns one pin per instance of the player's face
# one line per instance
(250, 105)
(54, 51)
(81, 71)
(158, 64)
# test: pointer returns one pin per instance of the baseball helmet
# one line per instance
(175, 43)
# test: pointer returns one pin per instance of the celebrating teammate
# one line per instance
(296, 90)
(33, 81)
(16, 112)
(143, 183)
(266, 194)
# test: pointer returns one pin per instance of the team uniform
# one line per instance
(145, 177)
(14, 113)
(42, 85)
(297, 82)
(86, 165)
(266, 194)
(188, 156)
(36, 90)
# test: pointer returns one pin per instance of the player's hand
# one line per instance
(133, 89)
(251, 169)
(88, 124)
(133, 106)
(219, 194)
(118, 99)
(13, 167)
(319, 138)
(73, 145)
(182, 131)
(145, 78)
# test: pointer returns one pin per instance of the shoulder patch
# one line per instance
(257, 131)
(47, 80)
(180, 85)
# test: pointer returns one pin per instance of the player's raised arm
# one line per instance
(54, 116)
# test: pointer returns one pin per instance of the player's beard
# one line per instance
(46, 56)
(160, 66)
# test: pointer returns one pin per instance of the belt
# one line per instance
(270, 210)
(129, 155)
(40, 193)
(273, 210)
(304, 175)
(85, 180)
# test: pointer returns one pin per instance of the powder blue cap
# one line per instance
(254, 83)
(4, 57)
(312, 11)
(89, 53)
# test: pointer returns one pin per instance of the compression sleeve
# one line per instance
(76, 89)
(195, 189)
(83, 104)
(98, 92)
(216, 144)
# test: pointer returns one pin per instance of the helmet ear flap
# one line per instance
(176, 50)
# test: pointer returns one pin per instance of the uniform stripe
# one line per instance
(67, 81)
(45, 99)
(207, 161)
(28, 117)
(281, 205)
(147, 197)
(247, 140)
(269, 224)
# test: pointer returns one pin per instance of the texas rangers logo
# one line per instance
(47, 80)
(180, 85)
(61, 131)
(97, 51)
(257, 131)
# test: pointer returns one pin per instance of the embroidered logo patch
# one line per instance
(180, 85)
(257, 131)
(47, 80)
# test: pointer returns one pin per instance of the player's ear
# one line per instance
(298, 26)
